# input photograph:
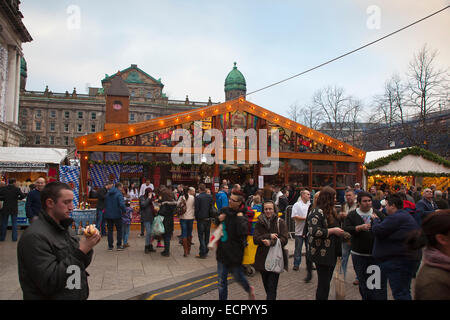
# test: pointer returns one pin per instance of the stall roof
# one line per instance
(411, 161)
(375, 155)
(35, 155)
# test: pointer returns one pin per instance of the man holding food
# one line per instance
(52, 261)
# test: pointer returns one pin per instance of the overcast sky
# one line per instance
(191, 45)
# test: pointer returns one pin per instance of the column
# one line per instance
(11, 83)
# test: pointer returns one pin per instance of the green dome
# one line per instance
(235, 80)
(23, 67)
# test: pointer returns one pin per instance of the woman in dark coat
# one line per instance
(167, 210)
(324, 240)
(147, 212)
(268, 229)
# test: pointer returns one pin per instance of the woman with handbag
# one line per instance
(269, 229)
(186, 212)
(147, 213)
(167, 210)
(324, 240)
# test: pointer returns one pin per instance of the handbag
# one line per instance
(339, 281)
(274, 259)
(158, 226)
(285, 251)
(215, 237)
(213, 212)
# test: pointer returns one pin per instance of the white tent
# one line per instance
(408, 163)
(17, 159)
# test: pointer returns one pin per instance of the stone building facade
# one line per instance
(53, 120)
(12, 34)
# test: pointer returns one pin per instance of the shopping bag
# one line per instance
(158, 226)
(339, 281)
(274, 260)
(215, 237)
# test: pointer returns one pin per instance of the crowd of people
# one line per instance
(381, 229)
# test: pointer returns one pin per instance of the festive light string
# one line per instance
(348, 53)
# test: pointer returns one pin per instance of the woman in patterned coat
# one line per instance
(324, 240)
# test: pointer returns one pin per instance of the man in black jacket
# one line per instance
(250, 188)
(358, 224)
(230, 248)
(10, 195)
(52, 262)
(203, 204)
(33, 204)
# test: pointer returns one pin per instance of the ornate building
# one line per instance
(12, 34)
(53, 120)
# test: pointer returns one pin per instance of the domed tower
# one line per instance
(23, 74)
(235, 85)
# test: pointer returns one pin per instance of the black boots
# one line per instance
(149, 249)
(308, 277)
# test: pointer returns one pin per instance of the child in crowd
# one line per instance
(126, 222)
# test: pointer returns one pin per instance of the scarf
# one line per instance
(365, 215)
(435, 258)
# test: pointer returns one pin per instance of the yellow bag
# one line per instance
(339, 281)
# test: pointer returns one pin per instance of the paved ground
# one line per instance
(130, 273)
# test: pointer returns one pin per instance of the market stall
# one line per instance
(28, 164)
(406, 166)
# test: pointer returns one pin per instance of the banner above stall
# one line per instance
(296, 141)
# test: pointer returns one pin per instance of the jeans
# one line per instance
(324, 276)
(148, 232)
(203, 228)
(167, 237)
(238, 275)
(399, 272)
(186, 228)
(345, 256)
(270, 281)
(101, 225)
(110, 225)
(4, 226)
(125, 232)
(360, 264)
(298, 250)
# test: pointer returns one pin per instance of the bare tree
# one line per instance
(338, 111)
(307, 115)
(294, 112)
(425, 88)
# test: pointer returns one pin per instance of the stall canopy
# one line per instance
(407, 161)
(16, 159)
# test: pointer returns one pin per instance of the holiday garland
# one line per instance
(408, 151)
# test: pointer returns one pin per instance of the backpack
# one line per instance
(181, 206)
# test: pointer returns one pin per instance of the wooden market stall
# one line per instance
(407, 166)
(132, 152)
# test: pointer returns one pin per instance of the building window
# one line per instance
(38, 113)
(93, 128)
(52, 114)
(79, 127)
(24, 112)
(66, 141)
(148, 116)
(149, 95)
(37, 139)
(51, 140)
(133, 94)
(23, 125)
(38, 125)
(132, 116)
(80, 114)
(66, 127)
(66, 114)
(52, 126)
(93, 116)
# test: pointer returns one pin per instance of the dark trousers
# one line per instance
(203, 229)
(324, 276)
(100, 221)
(270, 281)
(4, 226)
(110, 223)
(309, 264)
(399, 272)
(360, 264)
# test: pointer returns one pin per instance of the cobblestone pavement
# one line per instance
(126, 274)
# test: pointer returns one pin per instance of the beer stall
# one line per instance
(28, 164)
(132, 152)
(407, 166)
